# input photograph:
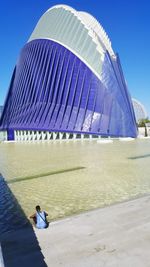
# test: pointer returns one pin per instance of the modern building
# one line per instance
(139, 110)
(68, 83)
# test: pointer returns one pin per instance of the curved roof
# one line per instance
(78, 31)
(94, 25)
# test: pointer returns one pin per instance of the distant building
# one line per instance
(68, 83)
(139, 110)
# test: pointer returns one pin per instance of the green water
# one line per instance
(68, 177)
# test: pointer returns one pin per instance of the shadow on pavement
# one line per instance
(18, 241)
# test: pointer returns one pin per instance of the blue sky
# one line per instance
(127, 23)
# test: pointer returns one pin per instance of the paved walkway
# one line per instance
(115, 236)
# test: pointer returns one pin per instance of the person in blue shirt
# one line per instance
(39, 218)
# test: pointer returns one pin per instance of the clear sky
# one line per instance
(127, 23)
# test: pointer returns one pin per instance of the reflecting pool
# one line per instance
(68, 177)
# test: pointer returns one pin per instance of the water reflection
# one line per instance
(109, 175)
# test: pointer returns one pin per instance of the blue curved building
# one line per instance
(68, 82)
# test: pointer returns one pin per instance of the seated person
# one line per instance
(39, 218)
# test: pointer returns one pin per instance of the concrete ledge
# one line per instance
(118, 235)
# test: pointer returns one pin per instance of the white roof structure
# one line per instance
(96, 28)
(80, 32)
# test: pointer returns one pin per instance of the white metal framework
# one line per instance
(78, 31)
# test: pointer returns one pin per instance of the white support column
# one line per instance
(43, 135)
(82, 136)
(67, 136)
(25, 135)
(15, 135)
(60, 136)
(18, 135)
(51, 136)
(54, 136)
(48, 135)
(38, 135)
(21, 135)
(29, 135)
(74, 136)
(32, 135)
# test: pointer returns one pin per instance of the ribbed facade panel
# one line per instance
(52, 89)
(65, 26)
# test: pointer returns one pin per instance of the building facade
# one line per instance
(68, 83)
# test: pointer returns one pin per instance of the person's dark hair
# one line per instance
(38, 208)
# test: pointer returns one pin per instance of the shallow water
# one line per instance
(68, 177)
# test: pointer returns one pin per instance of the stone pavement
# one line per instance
(115, 236)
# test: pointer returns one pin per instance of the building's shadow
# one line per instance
(140, 157)
(18, 241)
